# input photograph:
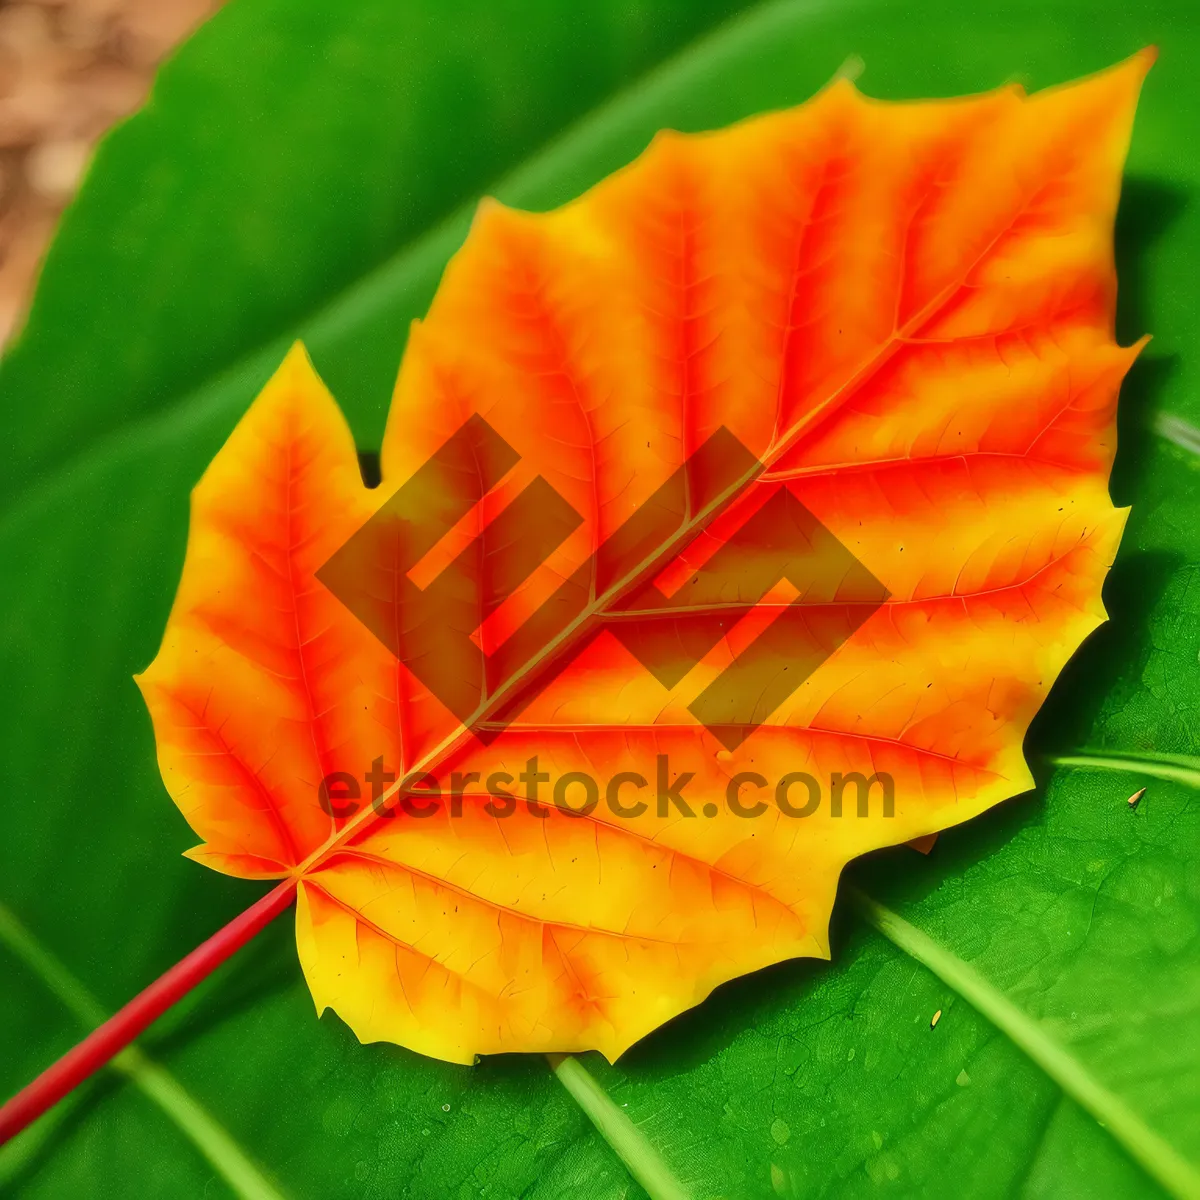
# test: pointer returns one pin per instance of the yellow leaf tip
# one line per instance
(1147, 56)
(489, 209)
(1137, 65)
(1134, 70)
(296, 359)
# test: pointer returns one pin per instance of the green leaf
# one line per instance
(305, 169)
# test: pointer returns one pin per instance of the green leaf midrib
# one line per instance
(627, 1141)
(438, 239)
(1160, 1160)
(1179, 768)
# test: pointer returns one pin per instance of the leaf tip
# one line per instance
(144, 681)
(297, 367)
(488, 210)
(1146, 57)
(297, 354)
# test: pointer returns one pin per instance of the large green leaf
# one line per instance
(306, 169)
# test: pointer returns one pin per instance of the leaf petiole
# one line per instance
(110, 1038)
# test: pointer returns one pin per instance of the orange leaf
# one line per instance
(904, 313)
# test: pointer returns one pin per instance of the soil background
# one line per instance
(68, 70)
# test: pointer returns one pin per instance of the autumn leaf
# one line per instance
(903, 313)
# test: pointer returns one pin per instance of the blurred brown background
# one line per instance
(68, 70)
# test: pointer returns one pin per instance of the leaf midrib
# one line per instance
(1177, 768)
(1160, 1160)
